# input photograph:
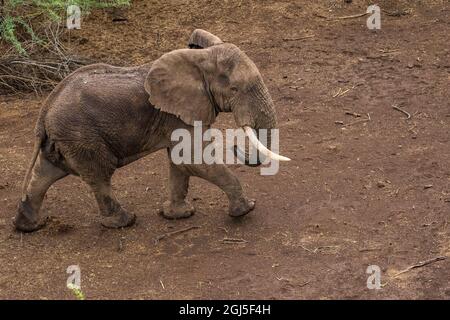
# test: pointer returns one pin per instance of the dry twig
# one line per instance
(354, 114)
(233, 240)
(168, 234)
(420, 264)
(315, 250)
(27, 74)
(359, 15)
(408, 115)
(299, 38)
(359, 121)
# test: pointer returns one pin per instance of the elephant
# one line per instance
(103, 117)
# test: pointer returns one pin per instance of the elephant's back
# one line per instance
(101, 104)
(103, 81)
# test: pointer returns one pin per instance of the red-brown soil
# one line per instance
(363, 193)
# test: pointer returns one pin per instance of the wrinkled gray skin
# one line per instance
(101, 118)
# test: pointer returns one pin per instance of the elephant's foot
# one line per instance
(241, 207)
(26, 219)
(177, 211)
(119, 219)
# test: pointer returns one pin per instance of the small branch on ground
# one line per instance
(354, 114)
(168, 234)
(315, 250)
(299, 38)
(19, 74)
(354, 16)
(408, 115)
(420, 265)
(233, 240)
(359, 15)
(41, 68)
(358, 121)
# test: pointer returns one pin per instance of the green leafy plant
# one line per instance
(17, 17)
(79, 295)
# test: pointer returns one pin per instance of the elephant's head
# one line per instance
(196, 85)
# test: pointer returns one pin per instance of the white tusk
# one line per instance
(254, 140)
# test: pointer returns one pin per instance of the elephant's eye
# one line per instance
(234, 89)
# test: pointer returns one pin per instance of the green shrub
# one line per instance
(17, 17)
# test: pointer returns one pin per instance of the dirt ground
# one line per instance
(358, 192)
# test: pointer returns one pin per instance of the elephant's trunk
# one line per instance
(264, 118)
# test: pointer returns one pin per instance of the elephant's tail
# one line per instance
(37, 147)
(39, 138)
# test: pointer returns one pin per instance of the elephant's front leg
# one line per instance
(222, 177)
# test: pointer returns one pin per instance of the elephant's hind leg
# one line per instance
(177, 207)
(114, 215)
(44, 174)
(96, 167)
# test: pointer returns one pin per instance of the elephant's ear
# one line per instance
(176, 84)
(201, 39)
